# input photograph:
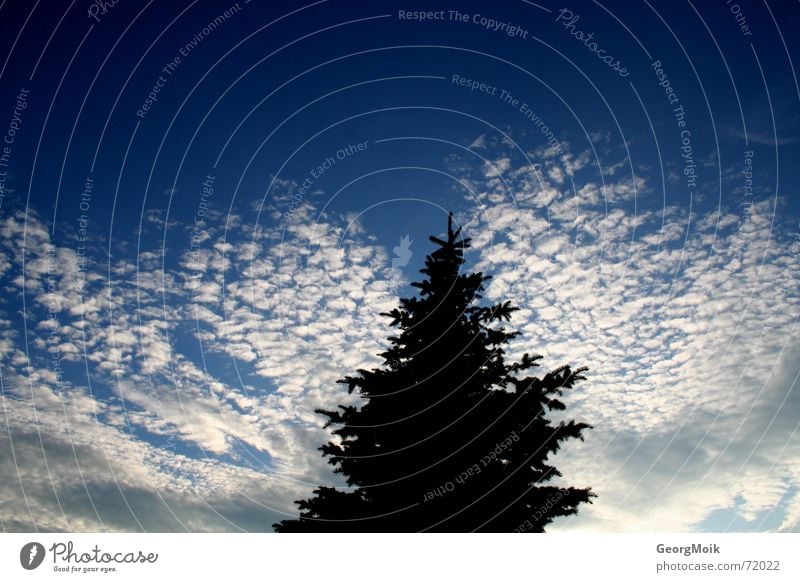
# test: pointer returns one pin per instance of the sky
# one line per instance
(204, 207)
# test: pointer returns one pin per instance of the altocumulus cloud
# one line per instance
(182, 398)
(148, 438)
(688, 323)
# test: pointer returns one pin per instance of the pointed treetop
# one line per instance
(452, 236)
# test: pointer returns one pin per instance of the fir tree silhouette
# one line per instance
(449, 437)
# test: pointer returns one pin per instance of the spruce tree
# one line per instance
(450, 437)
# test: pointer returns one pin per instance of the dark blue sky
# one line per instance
(348, 71)
(628, 170)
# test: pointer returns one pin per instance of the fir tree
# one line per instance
(450, 437)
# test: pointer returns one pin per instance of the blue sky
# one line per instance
(627, 170)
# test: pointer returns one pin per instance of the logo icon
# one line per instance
(402, 252)
(31, 555)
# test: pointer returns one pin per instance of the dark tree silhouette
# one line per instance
(450, 437)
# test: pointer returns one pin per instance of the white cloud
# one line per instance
(681, 341)
(691, 343)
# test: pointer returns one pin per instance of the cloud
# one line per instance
(74, 467)
(153, 422)
(767, 138)
(192, 388)
(689, 330)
